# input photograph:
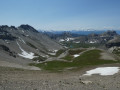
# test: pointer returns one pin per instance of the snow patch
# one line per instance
(76, 55)
(52, 53)
(67, 39)
(104, 71)
(77, 42)
(25, 54)
(55, 51)
(91, 42)
(61, 40)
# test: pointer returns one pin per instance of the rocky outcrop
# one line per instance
(109, 33)
(27, 27)
(113, 42)
(4, 34)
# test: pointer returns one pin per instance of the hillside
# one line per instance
(22, 44)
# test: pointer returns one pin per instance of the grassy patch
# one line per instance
(70, 54)
(39, 58)
(89, 58)
(59, 52)
(54, 65)
(78, 45)
(116, 51)
(68, 57)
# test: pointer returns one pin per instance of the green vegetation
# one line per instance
(70, 54)
(76, 51)
(39, 58)
(59, 52)
(78, 45)
(68, 57)
(88, 58)
(116, 51)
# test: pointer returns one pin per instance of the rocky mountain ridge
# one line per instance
(22, 44)
(90, 38)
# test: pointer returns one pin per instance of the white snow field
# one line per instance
(76, 55)
(25, 54)
(104, 71)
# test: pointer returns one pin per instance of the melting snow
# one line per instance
(103, 71)
(76, 55)
(55, 50)
(67, 39)
(91, 42)
(52, 53)
(25, 54)
(61, 40)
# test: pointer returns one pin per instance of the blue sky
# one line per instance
(61, 14)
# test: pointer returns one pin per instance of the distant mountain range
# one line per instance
(101, 38)
(79, 32)
(24, 44)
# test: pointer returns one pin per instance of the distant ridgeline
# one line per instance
(65, 34)
(80, 32)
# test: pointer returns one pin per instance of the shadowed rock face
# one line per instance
(4, 34)
(109, 45)
(113, 42)
(100, 38)
(110, 33)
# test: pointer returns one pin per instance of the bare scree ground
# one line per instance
(61, 78)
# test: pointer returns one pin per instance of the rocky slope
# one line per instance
(22, 44)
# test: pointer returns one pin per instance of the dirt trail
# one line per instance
(106, 55)
(8, 64)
